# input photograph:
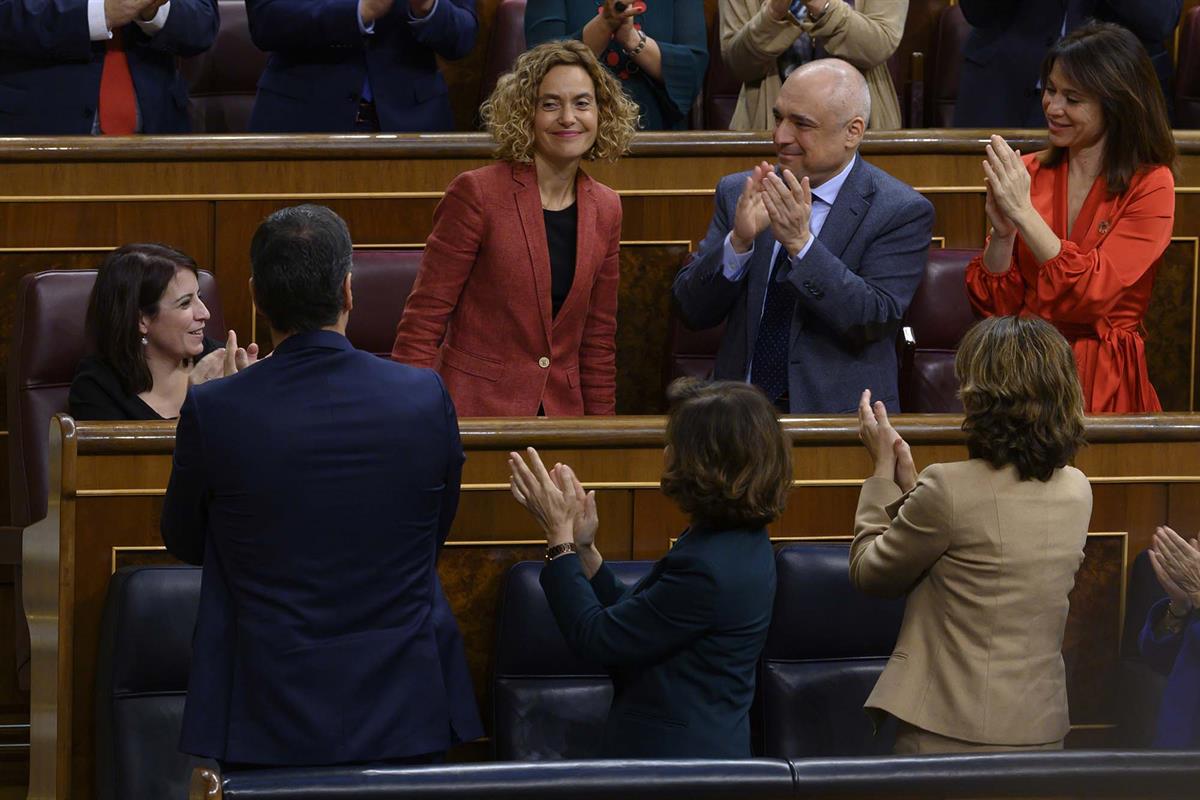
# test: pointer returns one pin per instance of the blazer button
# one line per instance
(544, 362)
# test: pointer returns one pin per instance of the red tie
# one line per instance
(118, 103)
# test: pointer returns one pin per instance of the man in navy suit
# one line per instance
(55, 56)
(357, 65)
(1002, 58)
(316, 487)
(811, 266)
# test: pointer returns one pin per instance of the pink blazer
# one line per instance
(480, 310)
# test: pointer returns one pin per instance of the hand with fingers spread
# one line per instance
(1176, 564)
(543, 496)
(223, 361)
(788, 201)
(750, 216)
(1007, 181)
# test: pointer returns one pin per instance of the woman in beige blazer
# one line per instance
(985, 549)
(754, 33)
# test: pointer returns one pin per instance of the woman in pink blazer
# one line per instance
(516, 301)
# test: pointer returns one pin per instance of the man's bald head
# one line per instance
(840, 83)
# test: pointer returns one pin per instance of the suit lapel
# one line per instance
(589, 251)
(848, 210)
(529, 204)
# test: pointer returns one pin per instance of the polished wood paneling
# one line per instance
(108, 480)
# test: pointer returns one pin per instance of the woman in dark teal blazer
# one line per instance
(657, 48)
(681, 645)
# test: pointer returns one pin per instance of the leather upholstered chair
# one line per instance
(689, 353)
(827, 646)
(381, 285)
(1187, 75)
(952, 31)
(719, 95)
(141, 683)
(937, 318)
(48, 340)
(547, 703)
(223, 80)
(506, 43)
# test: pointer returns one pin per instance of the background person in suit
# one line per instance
(145, 323)
(1170, 639)
(986, 550)
(317, 489)
(682, 645)
(516, 300)
(365, 66)
(998, 86)
(98, 66)
(813, 267)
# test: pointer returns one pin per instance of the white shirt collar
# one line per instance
(828, 191)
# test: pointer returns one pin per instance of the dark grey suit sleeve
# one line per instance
(185, 509)
(191, 28)
(702, 291)
(1150, 20)
(867, 304)
(639, 629)
(454, 466)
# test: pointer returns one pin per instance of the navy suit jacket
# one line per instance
(1177, 657)
(316, 487)
(852, 289)
(50, 71)
(682, 645)
(320, 60)
(1002, 58)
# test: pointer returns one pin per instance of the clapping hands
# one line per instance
(892, 455)
(555, 498)
(1176, 564)
(782, 202)
(1007, 181)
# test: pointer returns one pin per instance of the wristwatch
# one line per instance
(560, 550)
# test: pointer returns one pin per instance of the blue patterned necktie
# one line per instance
(769, 370)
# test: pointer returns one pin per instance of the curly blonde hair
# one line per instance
(508, 112)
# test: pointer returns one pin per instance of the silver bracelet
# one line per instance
(640, 47)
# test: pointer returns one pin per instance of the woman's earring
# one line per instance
(145, 341)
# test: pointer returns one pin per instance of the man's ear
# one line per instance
(854, 131)
(347, 295)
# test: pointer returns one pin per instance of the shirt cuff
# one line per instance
(97, 23)
(422, 20)
(804, 250)
(157, 22)
(364, 28)
(733, 265)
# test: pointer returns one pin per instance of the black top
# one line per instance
(97, 394)
(560, 240)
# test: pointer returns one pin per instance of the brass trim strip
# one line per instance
(390, 246)
(121, 492)
(494, 543)
(139, 548)
(89, 248)
(1094, 726)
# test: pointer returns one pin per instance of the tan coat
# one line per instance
(987, 561)
(751, 40)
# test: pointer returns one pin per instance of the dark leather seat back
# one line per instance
(1187, 77)
(721, 86)
(547, 703)
(690, 353)
(141, 683)
(938, 317)
(381, 284)
(223, 80)
(506, 43)
(827, 646)
(48, 340)
(952, 31)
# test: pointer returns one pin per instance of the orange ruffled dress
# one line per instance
(1097, 288)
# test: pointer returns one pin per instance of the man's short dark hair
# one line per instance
(299, 258)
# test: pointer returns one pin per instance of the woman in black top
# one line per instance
(145, 323)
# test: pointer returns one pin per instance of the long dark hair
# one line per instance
(130, 283)
(1109, 63)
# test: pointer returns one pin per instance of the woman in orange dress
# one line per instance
(1077, 229)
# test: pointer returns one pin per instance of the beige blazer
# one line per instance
(751, 40)
(987, 561)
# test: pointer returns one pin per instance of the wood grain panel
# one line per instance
(1092, 636)
(1171, 326)
(643, 316)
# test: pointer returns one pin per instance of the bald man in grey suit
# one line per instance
(811, 263)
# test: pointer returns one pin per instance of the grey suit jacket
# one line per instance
(853, 288)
